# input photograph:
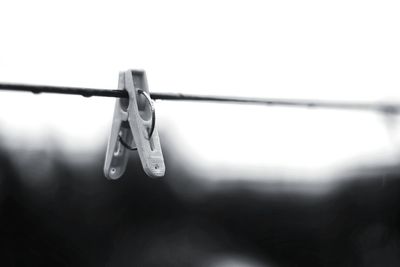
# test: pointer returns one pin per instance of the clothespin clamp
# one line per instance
(134, 128)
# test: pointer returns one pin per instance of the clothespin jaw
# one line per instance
(134, 126)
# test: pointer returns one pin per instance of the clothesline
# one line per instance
(89, 92)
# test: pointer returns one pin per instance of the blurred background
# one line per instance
(245, 185)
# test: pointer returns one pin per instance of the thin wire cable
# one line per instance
(89, 92)
(125, 144)
(86, 92)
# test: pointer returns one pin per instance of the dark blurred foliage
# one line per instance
(81, 219)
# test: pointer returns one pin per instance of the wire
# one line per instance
(125, 144)
(384, 107)
(89, 92)
(86, 92)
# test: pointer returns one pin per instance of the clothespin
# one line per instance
(134, 128)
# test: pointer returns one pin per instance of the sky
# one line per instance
(342, 50)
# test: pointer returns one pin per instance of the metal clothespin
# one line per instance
(134, 128)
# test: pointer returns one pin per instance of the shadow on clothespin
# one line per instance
(134, 128)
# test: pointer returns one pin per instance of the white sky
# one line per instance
(347, 50)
